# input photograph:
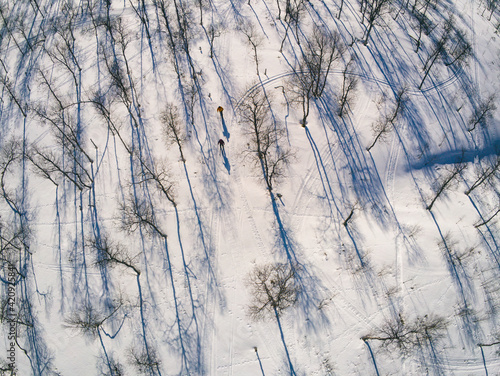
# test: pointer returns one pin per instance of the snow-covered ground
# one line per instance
(130, 247)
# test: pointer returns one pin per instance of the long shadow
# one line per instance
(144, 18)
(435, 358)
(454, 156)
(190, 345)
(207, 250)
(310, 285)
(325, 181)
(329, 193)
(100, 245)
(191, 355)
(286, 242)
(225, 131)
(109, 362)
(194, 82)
(31, 51)
(484, 360)
(59, 249)
(367, 343)
(207, 153)
(495, 248)
(220, 73)
(140, 155)
(36, 350)
(290, 364)
(260, 362)
(463, 284)
(198, 344)
(144, 330)
(226, 163)
(443, 116)
(258, 20)
(457, 272)
(287, 101)
(359, 253)
(366, 185)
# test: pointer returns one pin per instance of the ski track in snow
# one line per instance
(390, 182)
(304, 193)
(248, 212)
(238, 237)
(390, 170)
(438, 85)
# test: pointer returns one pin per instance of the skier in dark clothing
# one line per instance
(221, 144)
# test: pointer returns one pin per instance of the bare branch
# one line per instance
(274, 288)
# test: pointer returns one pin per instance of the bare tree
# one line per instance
(141, 12)
(423, 25)
(9, 24)
(443, 184)
(293, 10)
(122, 84)
(266, 136)
(409, 336)
(452, 47)
(422, 6)
(254, 39)
(170, 120)
(293, 13)
(495, 342)
(50, 166)
(110, 367)
(438, 50)
(214, 31)
(110, 254)
(113, 254)
(191, 101)
(341, 6)
(491, 7)
(15, 257)
(351, 214)
(89, 321)
(483, 112)
(10, 157)
(138, 213)
(459, 50)
(158, 174)
(185, 32)
(66, 130)
(173, 42)
(103, 105)
(488, 174)
(7, 84)
(301, 85)
(455, 254)
(349, 86)
(146, 361)
(372, 10)
(384, 125)
(489, 219)
(323, 49)
(274, 288)
(12, 244)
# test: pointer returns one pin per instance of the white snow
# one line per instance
(188, 309)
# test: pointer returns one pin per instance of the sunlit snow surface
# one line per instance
(128, 248)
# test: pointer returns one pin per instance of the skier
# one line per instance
(221, 144)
